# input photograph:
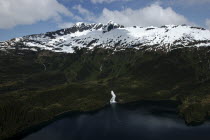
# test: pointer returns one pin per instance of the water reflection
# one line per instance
(119, 122)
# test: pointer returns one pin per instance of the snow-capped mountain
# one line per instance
(113, 36)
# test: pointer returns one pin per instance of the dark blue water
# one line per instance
(135, 122)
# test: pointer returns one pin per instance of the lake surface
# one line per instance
(136, 121)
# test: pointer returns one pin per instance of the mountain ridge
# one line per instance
(113, 36)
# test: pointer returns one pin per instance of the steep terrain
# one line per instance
(115, 37)
(45, 75)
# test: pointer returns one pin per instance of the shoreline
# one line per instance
(160, 104)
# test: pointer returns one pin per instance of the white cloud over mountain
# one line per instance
(65, 25)
(22, 12)
(85, 14)
(153, 15)
(81, 10)
(17, 12)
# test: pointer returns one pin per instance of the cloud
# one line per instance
(81, 10)
(153, 15)
(106, 1)
(20, 12)
(82, 15)
(208, 23)
(65, 25)
(86, 14)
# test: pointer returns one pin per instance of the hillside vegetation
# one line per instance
(37, 86)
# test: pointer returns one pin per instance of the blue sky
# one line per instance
(24, 17)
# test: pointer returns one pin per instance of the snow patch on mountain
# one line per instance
(113, 36)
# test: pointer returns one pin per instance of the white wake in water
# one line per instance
(112, 101)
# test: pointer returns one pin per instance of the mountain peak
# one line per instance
(79, 24)
(114, 36)
(110, 26)
(110, 22)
